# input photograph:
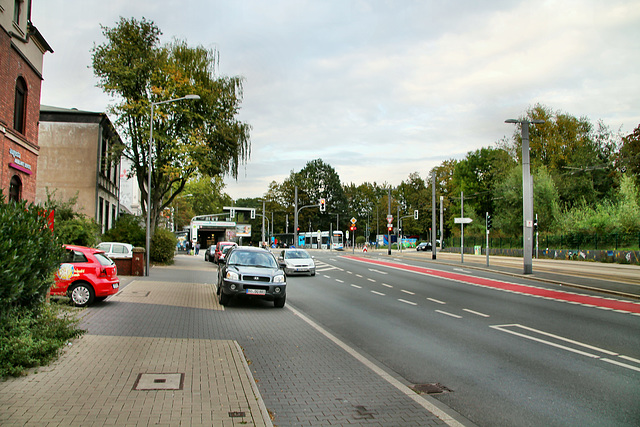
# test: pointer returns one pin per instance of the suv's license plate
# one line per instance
(256, 292)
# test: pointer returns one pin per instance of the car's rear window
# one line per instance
(103, 260)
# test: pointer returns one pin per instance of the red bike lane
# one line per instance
(588, 300)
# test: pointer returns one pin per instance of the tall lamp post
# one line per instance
(527, 194)
(148, 248)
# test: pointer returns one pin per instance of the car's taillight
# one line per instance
(103, 273)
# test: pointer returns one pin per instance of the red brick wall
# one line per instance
(12, 66)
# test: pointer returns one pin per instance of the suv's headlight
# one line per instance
(278, 279)
(232, 276)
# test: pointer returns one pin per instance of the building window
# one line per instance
(20, 106)
(15, 189)
(17, 11)
(101, 213)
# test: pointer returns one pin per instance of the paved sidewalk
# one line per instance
(104, 379)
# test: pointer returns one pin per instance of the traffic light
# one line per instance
(390, 227)
(323, 205)
(489, 225)
(535, 225)
(415, 214)
(298, 229)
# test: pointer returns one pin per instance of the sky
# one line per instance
(378, 89)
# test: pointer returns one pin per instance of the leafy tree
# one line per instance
(413, 194)
(629, 155)
(578, 155)
(202, 195)
(478, 174)
(507, 216)
(190, 137)
(127, 229)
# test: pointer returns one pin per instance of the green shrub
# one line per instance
(163, 246)
(29, 255)
(31, 337)
(127, 229)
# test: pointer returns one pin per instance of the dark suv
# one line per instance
(251, 272)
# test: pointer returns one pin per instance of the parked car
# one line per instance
(85, 274)
(116, 250)
(297, 261)
(424, 246)
(251, 272)
(209, 253)
(218, 254)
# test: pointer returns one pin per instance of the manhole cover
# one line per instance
(159, 382)
(432, 388)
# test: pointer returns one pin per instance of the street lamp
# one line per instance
(527, 194)
(153, 104)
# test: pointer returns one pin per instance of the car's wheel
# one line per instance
(279, 302)
(313, 272)
(223, 299)
(82, 294)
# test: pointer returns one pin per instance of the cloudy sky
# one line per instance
(378, 89)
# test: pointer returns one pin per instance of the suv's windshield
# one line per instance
(252, 259)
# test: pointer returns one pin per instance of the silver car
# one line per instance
(297, 261)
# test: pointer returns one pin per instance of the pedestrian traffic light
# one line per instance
(489, 225)
(535, 225)
(323, 205)
(415, 214)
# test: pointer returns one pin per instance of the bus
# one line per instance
(310, 240)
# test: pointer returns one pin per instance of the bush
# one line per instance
(29, 255)
(127, 229)
(163, 246)
(31, 337)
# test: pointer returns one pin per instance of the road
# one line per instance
(512, 351)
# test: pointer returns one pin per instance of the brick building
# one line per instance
(22, 50)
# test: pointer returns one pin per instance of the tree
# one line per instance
(315, 181)
(629, 155)
(190, 137)
(578, 155)
(508, 213)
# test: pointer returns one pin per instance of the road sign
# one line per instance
(353, 220)
(462, 220)
(390, 219)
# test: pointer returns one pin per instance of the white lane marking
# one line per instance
(339, 281)
(437, 301)
(328, 277)
(388, 286)
(378, 271)
(356, 286)
(371, 280)
(461, 270)
(503, 328)
(377, 293)
(449, 314)
(359, 275)
(407, 292)
(424, 401)
(407, 302)
(477, 313)
(624, 365)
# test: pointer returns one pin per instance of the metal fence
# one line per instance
(574, 241)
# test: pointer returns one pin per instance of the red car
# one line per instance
(218, 256)
(85, 275)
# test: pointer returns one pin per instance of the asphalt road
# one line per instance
(559, 357)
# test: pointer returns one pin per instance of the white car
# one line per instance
(116, 250)
(297, 261)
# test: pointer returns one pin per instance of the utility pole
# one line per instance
(295, 219)
(433, 215)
